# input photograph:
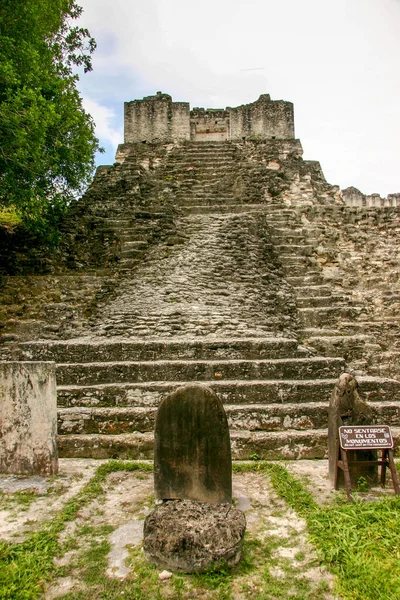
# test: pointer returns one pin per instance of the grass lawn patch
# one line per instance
(359, 542)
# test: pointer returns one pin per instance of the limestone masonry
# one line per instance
(158, 119)
(210, 252)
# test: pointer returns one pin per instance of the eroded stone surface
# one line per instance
(186, 536)
(28, 418)
(192, 451)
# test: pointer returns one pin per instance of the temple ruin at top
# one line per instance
(159, 119)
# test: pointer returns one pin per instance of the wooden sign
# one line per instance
(370, 437)
(365, 437)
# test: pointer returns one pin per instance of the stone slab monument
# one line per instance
(196, 527)
(192, 450)
(347, 408)
(28, 418)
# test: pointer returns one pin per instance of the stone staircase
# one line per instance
(324, 312)
(206, 175)
(274, 394)
(136, 234)
(236, 302)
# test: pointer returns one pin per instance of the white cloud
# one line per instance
(336, 60)
(103, 118)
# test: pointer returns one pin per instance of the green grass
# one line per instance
(9, 219)
(25, 567)
(359, 543)
(21, 500)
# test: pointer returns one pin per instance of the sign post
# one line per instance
(365, 437)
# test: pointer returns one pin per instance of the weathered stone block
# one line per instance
(186, 536)
(28, 418)
(192, 452)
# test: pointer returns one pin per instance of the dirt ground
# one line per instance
(25, 502)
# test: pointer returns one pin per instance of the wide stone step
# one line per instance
(284, 225)
(135, 244)
(126, 264)
(133, 235)
(292, 259)
(318, 301)
(254, 417)
(374, 389)
(113, 372)
(197, 162)
(205, 147)
(207, 201)
(296, 239)
(312, 317)
(131, 253)
(315, 332)
(279, 208)
(268, 445)
(305, 280)
(283, 233)
(289, 444)
(223, 208)
(194, 192)
(296, 249)
(249, 417)
(141, 350)
(230, 392)
(300, 270)
(311, 291)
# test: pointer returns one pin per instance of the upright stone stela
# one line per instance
(192, 452)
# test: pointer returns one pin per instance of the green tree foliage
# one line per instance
(47, 141)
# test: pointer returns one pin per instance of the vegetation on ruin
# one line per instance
(47, 141)
(359, 543)
(9, 219)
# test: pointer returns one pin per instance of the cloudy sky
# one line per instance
(338, 61)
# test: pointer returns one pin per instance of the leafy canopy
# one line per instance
(47, 141)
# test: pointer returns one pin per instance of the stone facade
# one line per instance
(159, 119)
(232, 263)
(353, 197)
(156, 119)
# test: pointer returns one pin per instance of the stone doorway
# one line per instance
(209, 125)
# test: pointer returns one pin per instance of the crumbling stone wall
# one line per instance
(273, 171)
(263, 119)
(47, 292)
(159, 119)
(209, 124)
(156, 119)
(353, 197)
